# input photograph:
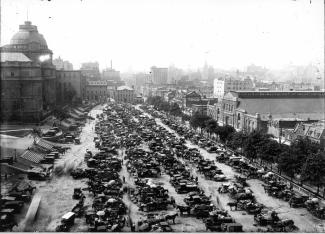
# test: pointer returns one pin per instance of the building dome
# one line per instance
(28, 34)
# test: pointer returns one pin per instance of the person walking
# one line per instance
(132, 227)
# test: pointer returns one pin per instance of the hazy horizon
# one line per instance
(139, 34)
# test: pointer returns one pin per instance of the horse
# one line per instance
(171, 217)
(232, 204)
(183, 209)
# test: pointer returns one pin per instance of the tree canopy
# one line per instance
(198, 120)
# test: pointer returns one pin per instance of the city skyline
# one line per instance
(153, 33)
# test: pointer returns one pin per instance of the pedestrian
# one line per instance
(96, 223)
(6, 176)
(123, 179)
(127, 221)
(197, 179)
(132, 227)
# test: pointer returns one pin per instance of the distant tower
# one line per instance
(111, 64)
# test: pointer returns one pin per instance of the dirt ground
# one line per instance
(57, 193)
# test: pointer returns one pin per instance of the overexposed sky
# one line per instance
(137, 34)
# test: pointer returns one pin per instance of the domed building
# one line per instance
(28, 81)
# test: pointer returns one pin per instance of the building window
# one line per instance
(12, 74)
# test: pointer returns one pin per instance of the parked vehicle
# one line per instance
(67, 222)
(35, 174)
(7, 159)
(16, 205)
(77, 141)
(231, 227)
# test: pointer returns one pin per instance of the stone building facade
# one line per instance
(91, 71)
(70, 86)
(159, 75)
(124, 94)
(313, 131)
(97, 91)
(28, 81)
(250, 110)
(61, 64)
(227, 84)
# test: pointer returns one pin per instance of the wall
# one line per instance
(97, 92)
(69, 80)
(22, 92)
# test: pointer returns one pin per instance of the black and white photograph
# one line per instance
(186, 116)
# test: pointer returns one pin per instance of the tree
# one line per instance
(237, 140)
(288, 162)
(154, 100)
(198, 120)
(225, 132)
(254, 143)
(174, 109)
(314, 169)
(269, 150)
(303, 148)
(211, 126)
(185, 117)
(162, 106)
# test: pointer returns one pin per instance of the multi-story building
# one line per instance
(256, 71)
(97, 91)
(111, 74)
(112, 78)
(266, 86)
(174, 74)
(313, 131)
(191, 98)
(250, 110)
(204, 88)
(28, 81)
(90, 70)
(140, 80)
(70, 86)
(61, 64)
(159, 75)
(124, 94)
(201, 109)
(222, 86)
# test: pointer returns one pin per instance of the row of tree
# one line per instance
(302, 158)
(171, 108)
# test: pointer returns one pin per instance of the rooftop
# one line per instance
(124, 87)
(277, 94)
(27, 34)
(14, 57)
(302, 108)
(97, 82)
